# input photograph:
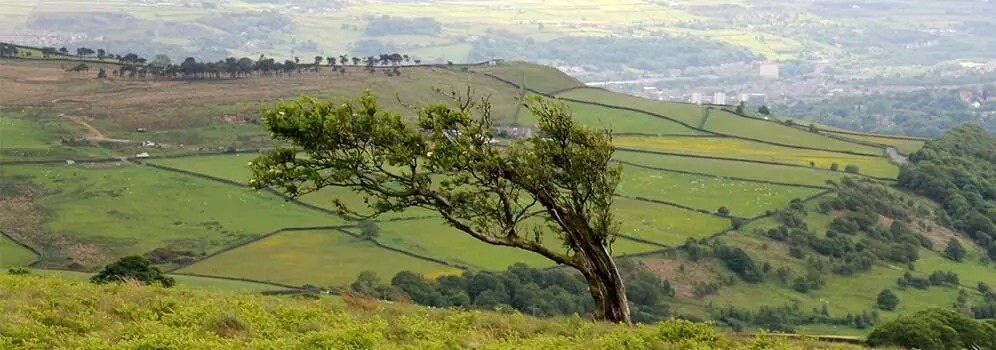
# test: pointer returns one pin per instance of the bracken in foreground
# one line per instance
(51, 313)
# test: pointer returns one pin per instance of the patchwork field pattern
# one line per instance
(743, 199)
(685, 112)
(93, 213)
(618, 121)
(732, 124)
(295, 257)
(737, 148)
(905, 146)
(734, 169)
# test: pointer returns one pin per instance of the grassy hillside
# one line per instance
(130, 316)
(680, 166)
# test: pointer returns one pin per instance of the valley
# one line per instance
(695, 179)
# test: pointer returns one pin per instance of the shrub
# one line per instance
(851, 168)
(724, 211)
(955, 251)
(834, 166)
(133, 267)
(17, 271)
(887, 300)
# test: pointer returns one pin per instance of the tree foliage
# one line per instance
(133, 267)
(935, 329)
(887, 300)
(954, 250)
(551, 194)
(957, 170)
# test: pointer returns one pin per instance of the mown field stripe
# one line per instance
(821, 132)
(766, 182)
(405, 252)
(256, 239)
(676, 205)
(636, 150)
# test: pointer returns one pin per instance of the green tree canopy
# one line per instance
(955, 251)
(887, 300)
(133, 267)
(935, 329)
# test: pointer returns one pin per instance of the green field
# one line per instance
(23, 134)
(540, 78)
(297, 257)
(731, 124)
(431, 237)
(12, 254)
(116, 210)
(746, 170)
(904, 146)
(36, 136)
(742, 149)
(743, 199)
(184, 282)
(688, 113)
(232, 167)
(665, 224)
(619, 121)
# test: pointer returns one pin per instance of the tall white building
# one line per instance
(697, 98)
(769, 70)
(719, 98)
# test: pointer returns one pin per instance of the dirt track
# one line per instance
(92, 132)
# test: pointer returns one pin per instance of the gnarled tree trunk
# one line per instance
(605, 283)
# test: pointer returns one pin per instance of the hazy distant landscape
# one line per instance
(659, 49)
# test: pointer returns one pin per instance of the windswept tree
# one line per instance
(550, 194)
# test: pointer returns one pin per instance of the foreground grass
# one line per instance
(47, 313)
